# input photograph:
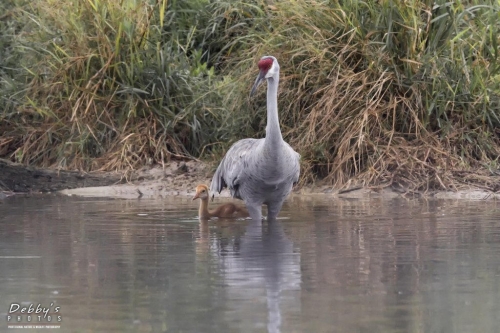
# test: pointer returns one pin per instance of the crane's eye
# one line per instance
(203, 191)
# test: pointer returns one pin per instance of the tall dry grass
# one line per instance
(112, 84)
(401, 93)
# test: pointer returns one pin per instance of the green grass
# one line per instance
(384, 91)
(111, 85)
(376, 92)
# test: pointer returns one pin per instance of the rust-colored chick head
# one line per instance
(201, 192)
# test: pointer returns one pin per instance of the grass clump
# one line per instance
(112, 84)
(383, 93)
(401, 93)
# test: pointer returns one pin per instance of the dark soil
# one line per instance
(20, 178)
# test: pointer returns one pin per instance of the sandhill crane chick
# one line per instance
(226, 210)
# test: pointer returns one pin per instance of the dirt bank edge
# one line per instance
(178, 178)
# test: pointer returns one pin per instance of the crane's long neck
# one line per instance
(203, 212)
(273, 131)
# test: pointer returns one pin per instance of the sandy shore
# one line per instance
(180, 179)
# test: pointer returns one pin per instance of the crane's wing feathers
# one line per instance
(232, 165)
(296, 164)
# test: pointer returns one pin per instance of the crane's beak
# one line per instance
(196, 196)
(258, 81)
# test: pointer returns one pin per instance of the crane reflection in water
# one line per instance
(261, 266)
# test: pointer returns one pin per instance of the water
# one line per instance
(333, 265)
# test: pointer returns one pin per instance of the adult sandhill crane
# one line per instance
(261, 171)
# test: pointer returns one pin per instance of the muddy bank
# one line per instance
(22, 179)
(158, 189)
(172, 179)
(179, 185)
(178, 178)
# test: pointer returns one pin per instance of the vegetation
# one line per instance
(106, 87)
(402, 93)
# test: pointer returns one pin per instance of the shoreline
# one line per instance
(179, 179)
(155, 190)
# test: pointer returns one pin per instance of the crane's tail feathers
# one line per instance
(217, 184)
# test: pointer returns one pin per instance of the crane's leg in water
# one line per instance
(255, 210)
(273, 209)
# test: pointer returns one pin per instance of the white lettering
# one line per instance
(45, 311)
(12, 306)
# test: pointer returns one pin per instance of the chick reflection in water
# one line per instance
(227, 210)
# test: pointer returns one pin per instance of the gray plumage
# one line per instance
(261, 171)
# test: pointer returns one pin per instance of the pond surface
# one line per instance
(333, 265)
